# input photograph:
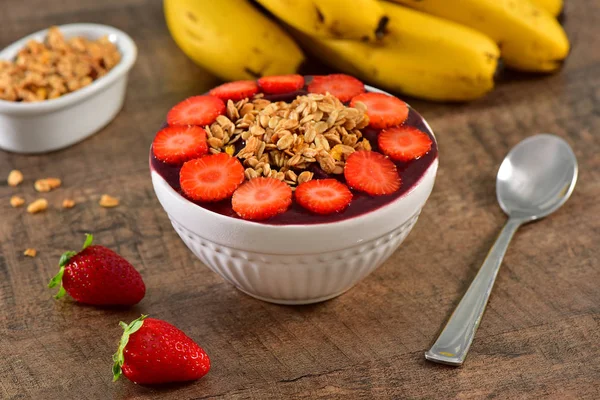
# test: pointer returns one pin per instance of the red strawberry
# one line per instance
(344, 87)
(371, 172)
(97, 275)
(404, 143)
(179, 143)
(211, 178)
(197, 110)
(323, 196)
(261, 198)
(152, 351)
(383, 110)
(281, 83)
(235, 91)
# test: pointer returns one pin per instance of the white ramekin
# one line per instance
(295, 264)
(58, 123)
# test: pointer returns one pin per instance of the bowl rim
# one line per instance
(348, 222)
(123, 41)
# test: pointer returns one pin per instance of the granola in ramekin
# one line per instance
(58, 66)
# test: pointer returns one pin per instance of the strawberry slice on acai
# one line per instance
(323, 196)
(152, 351)
(383, 110)
(404, 143)
(280, 84)
(344, 87)
(371, 172)
(211, 178)
(261, 198)
(235, 91)
(196, 110)
(179, 143)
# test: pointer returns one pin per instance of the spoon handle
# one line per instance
(453, 344)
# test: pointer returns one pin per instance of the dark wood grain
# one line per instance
(539, 338)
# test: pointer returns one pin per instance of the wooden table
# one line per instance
(539, 338)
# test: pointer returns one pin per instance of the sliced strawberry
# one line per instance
(179, 143)
(235, 91)
(371, 172)
(383, 110)
(323, 196)
(261, 198)
(281, 83)
(211, 178)
(196, 110)
(344, 87)
(404, 143)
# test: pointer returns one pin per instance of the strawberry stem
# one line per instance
(118, 357)
(88, 240)
(56, 280)
(64, 260)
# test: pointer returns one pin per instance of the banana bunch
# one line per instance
(554, 7)
(231, 38)
(421, 55)
(531, 38)
(331, 19)
(439, 50)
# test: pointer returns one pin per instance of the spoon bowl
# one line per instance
(537, 176)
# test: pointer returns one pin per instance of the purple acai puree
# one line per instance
(362, 203)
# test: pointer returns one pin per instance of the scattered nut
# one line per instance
(17, 201)
(68, 203)
(42, 186)
(54, 182)
(14, 178)
(30, 252)
(37, 206)
(107, 201)
(47, 184)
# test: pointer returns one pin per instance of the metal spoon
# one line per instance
(537, 177)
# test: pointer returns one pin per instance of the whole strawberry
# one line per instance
(99, 276)
(152, 351)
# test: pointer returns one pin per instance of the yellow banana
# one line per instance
(333, 19)
(530, 38)
(422, 56)
(554, 7)
(231, 39)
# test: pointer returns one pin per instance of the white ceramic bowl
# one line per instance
(295, 264)
(58, 123)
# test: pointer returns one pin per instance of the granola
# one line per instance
(30, 252)
(107, 201)
(68, 203)
(58, 66)
(283, 140)
(37, 206)
(17, 201)
(47, 184)
(15, 177)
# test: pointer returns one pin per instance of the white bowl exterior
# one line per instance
(55, 124)
(295, 279)
(294, 264)
(63, 127)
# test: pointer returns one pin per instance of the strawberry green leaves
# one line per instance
(118, 358)
(64, 260)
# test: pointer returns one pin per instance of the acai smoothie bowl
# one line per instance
(293, 188)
